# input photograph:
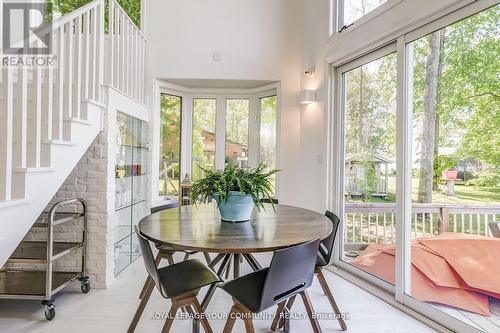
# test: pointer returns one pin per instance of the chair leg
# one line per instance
(148, 279)
(277, 316)
(170, 259)
(140, 308)
(328, 293)
(229, 267)
(236, 266)
(170, 319)
(249, 325)
(228, 328)
(203, 318)
(246, 316)
(310, 312)
(207, 257)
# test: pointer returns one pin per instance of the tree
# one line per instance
(426, 176)
(131, 7)
(203, 125)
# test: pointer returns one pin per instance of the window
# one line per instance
(237, 115)
(370, 159)
(355, 9)
(170, 144)
(268, 123)
(455, 158)
(199, 130)
(203, 154)
(445, 124)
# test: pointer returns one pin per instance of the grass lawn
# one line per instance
(463, 194)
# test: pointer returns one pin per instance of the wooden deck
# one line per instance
(488, 324)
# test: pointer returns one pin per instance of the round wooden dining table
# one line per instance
(199, 228)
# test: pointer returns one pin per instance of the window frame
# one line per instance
(260, 96)
(221, 96)
(335, 171)
(338, 15)
(340, 116)
(159, 197)
(197, 97)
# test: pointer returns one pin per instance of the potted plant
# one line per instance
(235, 189)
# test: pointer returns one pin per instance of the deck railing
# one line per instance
(375, 222)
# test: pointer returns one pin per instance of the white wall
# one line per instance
(258, 40)
(313, 120)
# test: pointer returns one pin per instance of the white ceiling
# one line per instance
(219, 84)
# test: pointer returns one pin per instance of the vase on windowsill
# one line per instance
(236, 190)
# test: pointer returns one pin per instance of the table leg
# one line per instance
(216, 260)
(252, 261)
(236, 265)
(229, 266)
(211, 290)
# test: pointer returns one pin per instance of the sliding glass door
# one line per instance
(453, 83)
(427, 106)
(369, 96)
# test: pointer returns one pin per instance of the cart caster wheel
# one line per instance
(50, 312)
(85, 287)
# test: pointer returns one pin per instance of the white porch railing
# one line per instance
(126, 53)
(375, 222)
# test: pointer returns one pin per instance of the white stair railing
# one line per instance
(38, 104)
(126, 53)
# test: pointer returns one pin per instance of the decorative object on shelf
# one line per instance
(236, 190)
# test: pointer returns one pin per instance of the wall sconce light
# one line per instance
(307, 96)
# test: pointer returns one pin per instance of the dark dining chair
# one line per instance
(179, 282)
(289, 274)
(322, 260)
(167, 252)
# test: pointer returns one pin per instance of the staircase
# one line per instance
(49, 116)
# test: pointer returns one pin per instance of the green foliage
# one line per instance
(204, 113)
(254, 182)
(131, 7)
(371, 108)
(368, 183)
(443, 163)
(170, 118)
(468, 102)
(237, 120)
(487, 178)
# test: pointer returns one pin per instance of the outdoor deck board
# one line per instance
(487, 324)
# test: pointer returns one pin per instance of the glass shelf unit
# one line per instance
(130, 186)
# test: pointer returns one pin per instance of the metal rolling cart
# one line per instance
(44, 284)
